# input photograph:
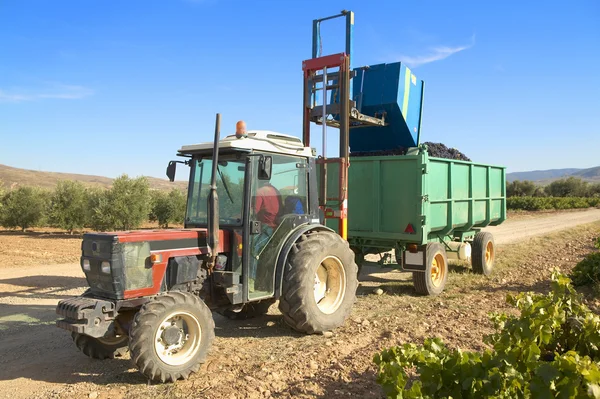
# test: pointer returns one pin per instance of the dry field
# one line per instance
(263, 358)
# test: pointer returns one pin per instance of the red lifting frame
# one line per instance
(310, 68)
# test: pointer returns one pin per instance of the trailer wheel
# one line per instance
(433, 281)
(101, 348)
(484, 253)
(319, 286)
(170, 336)
(249, 311)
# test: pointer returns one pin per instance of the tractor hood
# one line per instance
(129, 264)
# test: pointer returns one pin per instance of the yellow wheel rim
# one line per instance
(438, 269)
(489, 253)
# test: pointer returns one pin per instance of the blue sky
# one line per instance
(111, 87)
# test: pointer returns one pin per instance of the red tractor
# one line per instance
(253, 235)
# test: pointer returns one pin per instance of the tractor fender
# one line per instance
(285, 250)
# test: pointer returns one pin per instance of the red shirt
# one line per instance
(267, 205)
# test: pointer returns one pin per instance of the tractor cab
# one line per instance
(264, 195)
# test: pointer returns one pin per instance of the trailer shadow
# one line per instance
(538, 287)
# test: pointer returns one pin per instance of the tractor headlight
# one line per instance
(105, 267)
(85, 264)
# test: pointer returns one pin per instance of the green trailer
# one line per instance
(424, 210)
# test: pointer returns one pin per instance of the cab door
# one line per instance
(278, 205)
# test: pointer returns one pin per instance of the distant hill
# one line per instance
(547, 176)
(15, 176)
(537, 175)
(588, 174)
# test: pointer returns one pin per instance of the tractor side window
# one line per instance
(274, 204)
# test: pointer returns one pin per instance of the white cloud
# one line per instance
(437, 53)
(55, 91)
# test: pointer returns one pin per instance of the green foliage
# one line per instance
(24, 207)
(520, 188)
(68, 205)
(124, 207)
(168, 207)
(569, 187)
(547, 203)
(552, 349)
(587, 271)
(99, 216)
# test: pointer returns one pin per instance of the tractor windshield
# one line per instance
(230, 189)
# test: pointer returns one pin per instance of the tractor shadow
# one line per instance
(33, 347)
(269, 325)
(40, 287)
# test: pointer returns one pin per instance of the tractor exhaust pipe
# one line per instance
(213, 200)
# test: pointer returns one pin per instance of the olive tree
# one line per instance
(124, 206)
(68, 205)
(128, 202)
(24, 207)
(168, 207)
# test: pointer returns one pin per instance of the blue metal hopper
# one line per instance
(391, 91)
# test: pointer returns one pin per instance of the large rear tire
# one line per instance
(433, 281)
(170, 336)
(319, 286)
(249, 311)
(484, 253)
(101, 348)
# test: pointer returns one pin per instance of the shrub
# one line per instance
(24, 207)
(68, 205)
(168, 208)
(587, 271)
(520, 188)
(551, 350)
(547, 203)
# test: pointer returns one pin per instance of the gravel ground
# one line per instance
(263, 358)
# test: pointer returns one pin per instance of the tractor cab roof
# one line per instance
(256, 140)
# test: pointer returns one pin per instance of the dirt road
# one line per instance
(532, 225)
(39, 360)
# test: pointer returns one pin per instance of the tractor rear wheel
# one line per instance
(484, 253)
(249, 311)
(320, 282)
(170, 336)
(101, 348)
(433, 281)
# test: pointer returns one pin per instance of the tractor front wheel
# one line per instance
(320, 282)
(101, 348)
(170, 336)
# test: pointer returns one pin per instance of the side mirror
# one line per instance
(171, 170)
(265, 165)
